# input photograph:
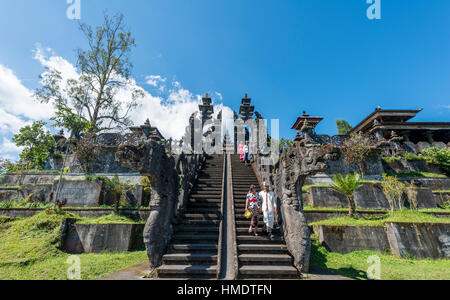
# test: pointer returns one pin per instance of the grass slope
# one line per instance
(355, 265)
(401, 216)
(29, 249)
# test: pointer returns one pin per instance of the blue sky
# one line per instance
(322, 56)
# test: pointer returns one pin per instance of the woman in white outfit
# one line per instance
(269, 208)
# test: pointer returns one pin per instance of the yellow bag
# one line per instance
(248, 214)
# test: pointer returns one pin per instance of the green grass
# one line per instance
(37, 172)
(391, 159)
(442, 192)
(25, 204)
(335, 209)
(417, 174)
(110, 219)
(401, 216)
(354, 265)
(306, 188)
(29, 249)
(10, 188)
(93, 266)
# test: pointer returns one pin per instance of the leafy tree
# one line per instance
(343, 127)
(285, 144)
(37, 144)
(412, 193)
(105, 69)
(5, 166)
(356, 151)
(347, 186)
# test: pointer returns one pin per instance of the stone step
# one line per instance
(188, 258)
(250, 239)
(197, 188)
(198, 196)
(183, 270)
(197, 228)
(206, 185)
(263, 248)
(265, 258)
(196, 205)
(203, 201)
(201, 216)
(209, 177)
(215, 182)
(196, 237)
(205, 247)
(213, 191)
(203, 210)
(244, 229)
(200, 222)
(269, 271)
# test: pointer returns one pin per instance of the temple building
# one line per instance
(306, 126)
(383, 123)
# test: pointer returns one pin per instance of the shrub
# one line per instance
(439, 157)
(356, 151)
(391, 159)
(393, 190)
(412, 193)
(408, 156)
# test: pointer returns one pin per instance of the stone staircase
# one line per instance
(258, 257)
(193, 251)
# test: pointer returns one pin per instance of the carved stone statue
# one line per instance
(295, 166)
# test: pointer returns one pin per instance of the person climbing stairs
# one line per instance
(258, 256)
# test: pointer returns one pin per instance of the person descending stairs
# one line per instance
(258, 256)
(193, 251)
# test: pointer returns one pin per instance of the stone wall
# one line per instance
(320, 215)
(9, 194)
(138, 215)
(79, 191)
(419, 240)
(374, 166)
(370, 196)
(97, 238)
(410, 166)
(347, 239)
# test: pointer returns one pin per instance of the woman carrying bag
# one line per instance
(253, 210)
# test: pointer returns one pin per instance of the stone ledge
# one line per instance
(417, 240)
(97, 238)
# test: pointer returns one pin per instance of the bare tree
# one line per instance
(105, 69)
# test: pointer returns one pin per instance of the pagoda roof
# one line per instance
(385, 116)
(313, 121)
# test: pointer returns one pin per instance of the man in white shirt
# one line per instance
(269, 208)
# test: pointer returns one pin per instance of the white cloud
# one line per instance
(18, 100)
(10, 123)
(219, 96)
(170, 113)
(155, 80)
(9, 150)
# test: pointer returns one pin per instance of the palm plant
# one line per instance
(347, 186)
(118, 189)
